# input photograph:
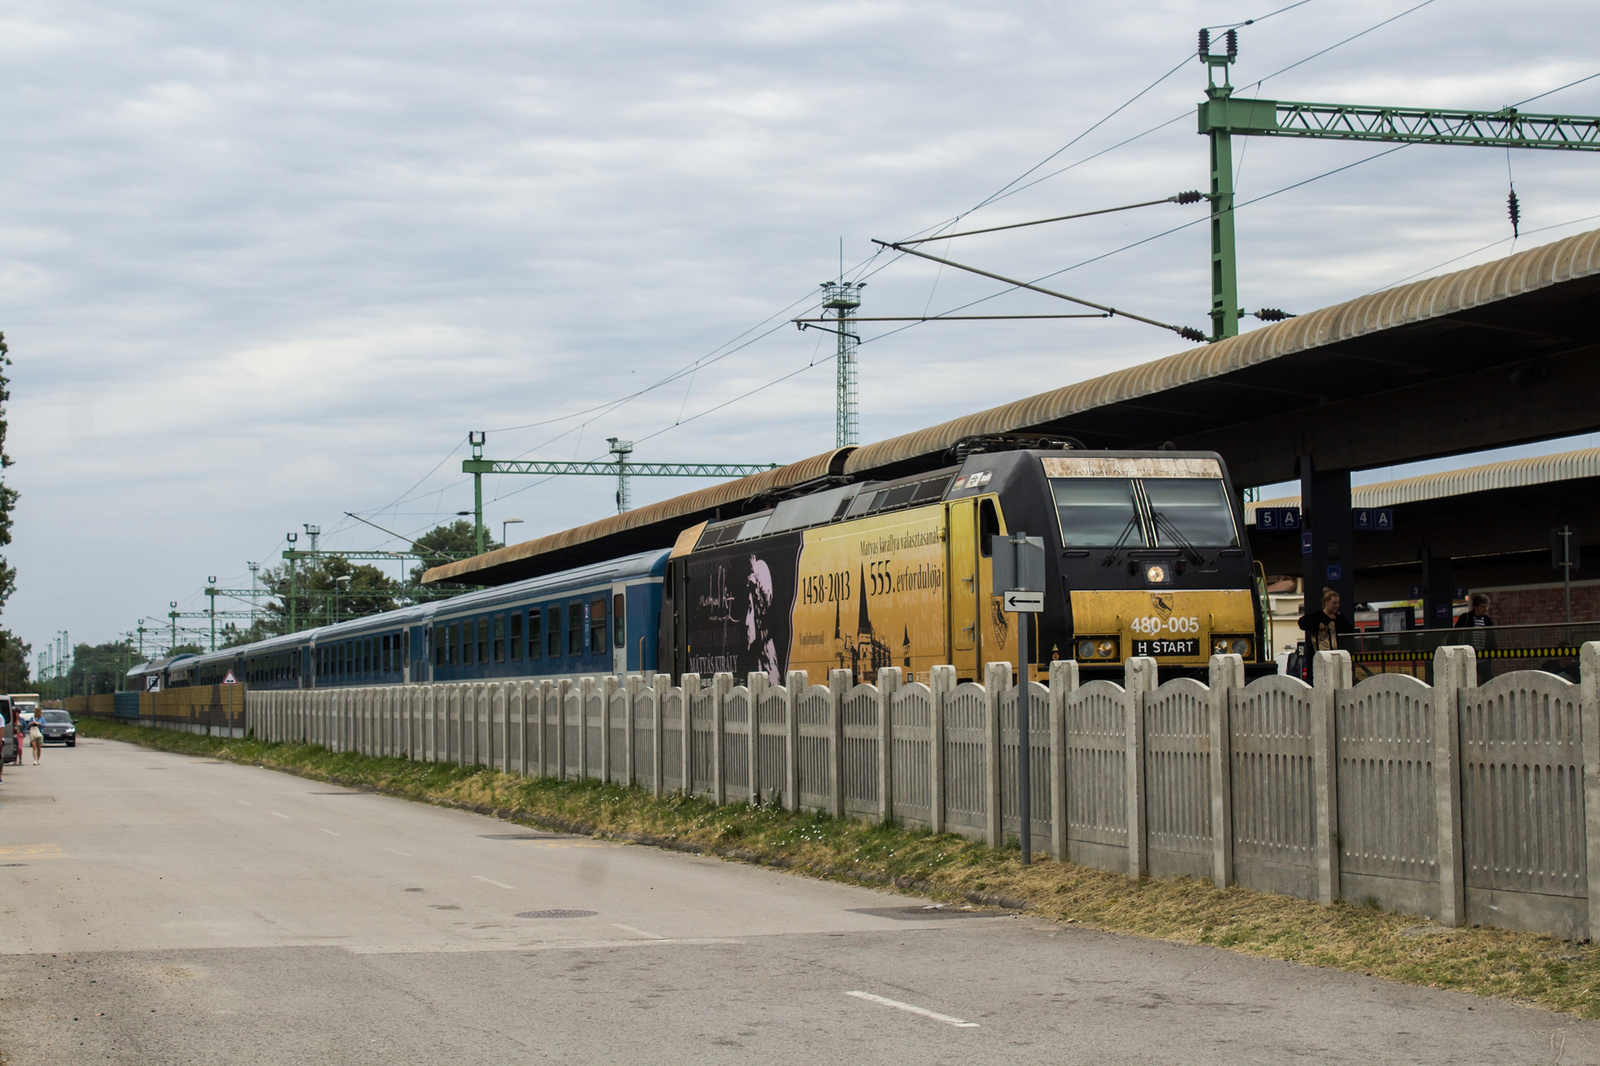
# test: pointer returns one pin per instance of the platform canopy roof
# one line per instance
(1499, 354)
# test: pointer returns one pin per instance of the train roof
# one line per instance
(643, 564)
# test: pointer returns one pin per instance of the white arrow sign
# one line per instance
(1029, 602)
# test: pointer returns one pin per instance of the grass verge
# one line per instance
(1524, 967)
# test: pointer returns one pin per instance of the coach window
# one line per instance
(535, 634)
(499, 623)
(618, 636)
(597, 626)
(552, 632)
(483, 640)
(514, 637)
(438, 645)
(383, 651)
(466, 642)
(453, 645)
(574, 629)
(988, 525)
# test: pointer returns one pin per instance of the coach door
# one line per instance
(619, 631)
(962, 567)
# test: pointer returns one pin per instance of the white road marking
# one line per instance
(404, 854)
(275, 814)
(909, 1009)
(245, 802)
(330, 832)
(641, 932)
(491, 881)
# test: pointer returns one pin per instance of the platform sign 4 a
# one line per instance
(230, 679)
(1373, 519)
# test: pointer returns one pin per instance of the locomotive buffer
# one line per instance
(1019, 571)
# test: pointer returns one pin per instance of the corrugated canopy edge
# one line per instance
(659, 524)
(1565, 260)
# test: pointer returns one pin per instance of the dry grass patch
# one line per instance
(1540, 970)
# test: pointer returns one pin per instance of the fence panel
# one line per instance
(1097, 775)
(1522, 802)
(1039, 782)
(736, 743)
(1177, 758)
(814, 722)
(672, 740)
(772, 743)
(617, 721)
(644, 737)
(698, 697)
(594, 724)
(1388, 822)
(913, 754)
(966, 755)
(572, 730)
(1274, 787)
(859, 709)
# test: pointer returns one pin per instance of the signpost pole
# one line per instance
(1019, 544)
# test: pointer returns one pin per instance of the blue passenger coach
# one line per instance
(597, 619)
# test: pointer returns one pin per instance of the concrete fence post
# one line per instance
(839, 682)
(1226, 676)
(562, 690)
(798, 682)
(941, 681)
(663, 682)
(608, 688)
(630, 759)
(585, 693)
(721, 685)
(889, 679)
(1330, 674)
(1140, 679)
(688, 690)
(1589, 719)
(996, 682)
(541, 720)
(758, 684)
(1455, 672)
(1063, 682)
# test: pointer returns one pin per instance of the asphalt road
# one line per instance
(165, 909)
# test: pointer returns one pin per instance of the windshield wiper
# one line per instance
(1111, 556)
(1165, 524)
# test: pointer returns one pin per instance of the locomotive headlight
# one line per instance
(1086, 649)
(1101, 648)
(1241, 646)
(1107, 649)
(1157, 574)
(1219, 646)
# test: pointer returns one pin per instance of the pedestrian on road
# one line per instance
(36, 738)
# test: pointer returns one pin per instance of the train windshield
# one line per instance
(1190, 511)
(1097, 512)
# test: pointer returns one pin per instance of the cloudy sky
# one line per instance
(266, 264)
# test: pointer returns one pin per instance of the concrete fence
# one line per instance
(1465, 803)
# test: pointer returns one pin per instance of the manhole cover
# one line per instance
(558, 914)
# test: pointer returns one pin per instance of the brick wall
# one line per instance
(1543, 604)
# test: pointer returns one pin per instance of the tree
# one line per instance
(14, 653)
(232, 636)
(8, 573)
(454, 540)
(99, 667)
(321, 598)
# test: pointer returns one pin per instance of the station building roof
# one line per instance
(1503, 353)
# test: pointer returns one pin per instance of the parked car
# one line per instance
(58, 727)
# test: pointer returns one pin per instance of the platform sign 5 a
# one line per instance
(1270, 519)
(1373, 519)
